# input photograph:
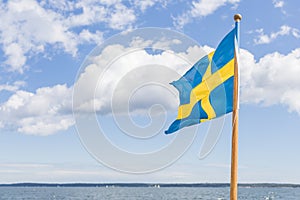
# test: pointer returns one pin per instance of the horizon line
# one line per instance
(143, 184)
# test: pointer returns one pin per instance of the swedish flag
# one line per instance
(206, 90)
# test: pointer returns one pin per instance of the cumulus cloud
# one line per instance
(28, 27)
(201, 8)
(43, 112)
(272, 80)
(25, 29)
(285, 30)
(131, 77)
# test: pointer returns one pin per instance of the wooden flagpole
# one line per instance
(235, 123)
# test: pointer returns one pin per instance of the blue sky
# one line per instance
(44, 43)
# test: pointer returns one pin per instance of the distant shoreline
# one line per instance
(147, 185)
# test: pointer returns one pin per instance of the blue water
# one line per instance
(144, 193)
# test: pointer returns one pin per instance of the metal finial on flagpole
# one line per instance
(237, 17)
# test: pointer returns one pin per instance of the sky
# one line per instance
(64, 60)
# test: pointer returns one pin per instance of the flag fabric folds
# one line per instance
(206, 90)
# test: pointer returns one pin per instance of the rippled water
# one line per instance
(144, 193)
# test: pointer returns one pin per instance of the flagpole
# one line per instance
(235, 120)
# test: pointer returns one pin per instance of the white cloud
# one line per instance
(43, 112)
(124, 78)
(284, 30)
(273, 80)
(29, 27)
(108, 2)
(48, 109)
(91, 13)
(120, 17)
(145, 4)
(206, 7)
(45, 125)
(164, 43)
(12, 87)
(130, 74)
(113, 14)
(201, 8)
(15, 57)
(87, 36)
(278, 3)
(180, 21)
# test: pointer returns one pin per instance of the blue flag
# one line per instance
(206, 90)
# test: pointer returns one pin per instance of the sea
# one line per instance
(147, 193)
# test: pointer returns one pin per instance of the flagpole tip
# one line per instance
(237, 17)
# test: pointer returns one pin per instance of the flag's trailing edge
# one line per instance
(206, 90)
